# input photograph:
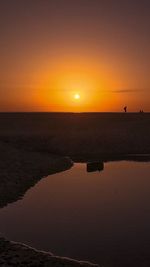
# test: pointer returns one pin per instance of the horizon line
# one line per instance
(71, 112)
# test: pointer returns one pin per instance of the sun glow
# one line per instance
(76, 96)
(74, 87)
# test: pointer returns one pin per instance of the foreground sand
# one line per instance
(78, 135)
(20, 169)
(16, 254)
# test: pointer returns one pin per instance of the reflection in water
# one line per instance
(95, 166)
(87, 216)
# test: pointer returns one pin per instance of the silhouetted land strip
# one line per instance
(78, 135)
(111, 157)
(93, 166)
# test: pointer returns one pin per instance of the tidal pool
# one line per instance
(95, 216)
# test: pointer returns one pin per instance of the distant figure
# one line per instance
(125, 109)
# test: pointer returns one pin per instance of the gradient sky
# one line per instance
(52, 49)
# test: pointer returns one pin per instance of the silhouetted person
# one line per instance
(125, 109)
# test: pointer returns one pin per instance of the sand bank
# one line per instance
(20, 169)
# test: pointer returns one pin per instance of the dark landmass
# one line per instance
(78, 135)
(20, 169)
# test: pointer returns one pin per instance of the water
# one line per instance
(98, 216)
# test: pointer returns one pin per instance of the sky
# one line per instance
(52, 50)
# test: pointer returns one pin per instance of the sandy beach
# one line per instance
(74, 133)
(78, 135)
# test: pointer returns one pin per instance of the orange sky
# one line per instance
(52, 51)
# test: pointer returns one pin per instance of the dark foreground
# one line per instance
(15, 254)
(35, 145)
(78, 135)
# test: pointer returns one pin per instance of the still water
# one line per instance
(88, 216)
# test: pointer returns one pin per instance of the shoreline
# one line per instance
(22, 169)
(19, 254)
(14, 182)
(142, 157)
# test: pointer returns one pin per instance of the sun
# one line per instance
(76, 96)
